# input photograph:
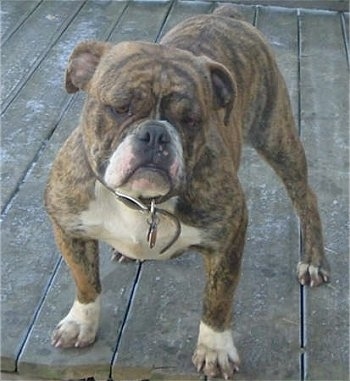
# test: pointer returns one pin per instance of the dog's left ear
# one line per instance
(82, 64)
(224, 88)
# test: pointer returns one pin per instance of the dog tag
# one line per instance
(152, 234)
(153, 226)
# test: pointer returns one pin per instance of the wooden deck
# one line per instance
(151, 311)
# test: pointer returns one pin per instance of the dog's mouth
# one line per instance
(147, 181)
(146, 168)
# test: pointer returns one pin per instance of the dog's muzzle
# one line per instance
(149, 161)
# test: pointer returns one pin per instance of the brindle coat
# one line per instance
(230, 91)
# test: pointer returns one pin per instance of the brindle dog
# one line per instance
(152, 167)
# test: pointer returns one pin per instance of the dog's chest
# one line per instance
(110, 220)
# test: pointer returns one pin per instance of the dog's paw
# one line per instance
(78, 329)
(215, 354)
(70, 333)
(309, 274)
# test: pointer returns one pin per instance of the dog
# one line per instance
(152, 167)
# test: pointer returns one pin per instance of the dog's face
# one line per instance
(148, 112)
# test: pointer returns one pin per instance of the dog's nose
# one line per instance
(154, 135)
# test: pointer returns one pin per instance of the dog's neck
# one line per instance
(152, 212)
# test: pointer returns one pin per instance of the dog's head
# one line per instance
(148, 112)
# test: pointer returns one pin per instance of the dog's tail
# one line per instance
(228, 10)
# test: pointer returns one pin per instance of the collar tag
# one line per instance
(153, 226)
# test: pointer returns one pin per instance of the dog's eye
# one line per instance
(190, 120)
(121, 111)
(124, 109)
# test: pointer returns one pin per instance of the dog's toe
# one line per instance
(214, 363)
(120, 258)
(309, 274)
(78, 329)
(70, 333)
(215, 354)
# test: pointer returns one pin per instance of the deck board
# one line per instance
(325, 100)
(38, 105)
(14, 15)
(42, 360)
(161, 330)
(39, 358)
(184, 9)
(27, 261)
(161, 352)
(268, 288)
(32, 41)
(136, 24)
(151, 312)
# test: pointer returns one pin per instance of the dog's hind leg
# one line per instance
(277, 141)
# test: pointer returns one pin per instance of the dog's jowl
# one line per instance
(152, 166)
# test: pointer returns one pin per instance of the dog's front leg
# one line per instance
(215, 353)
(79, 327)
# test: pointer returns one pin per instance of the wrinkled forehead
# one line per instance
(146, 68)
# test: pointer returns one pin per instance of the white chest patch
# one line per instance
(110, 220)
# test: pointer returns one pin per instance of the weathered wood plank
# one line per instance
(335, 5)
(21, 51)
(247, 11)
(39, 358)
(183, 10)
(39, 107)
(13, 14)
(161, 329)
(27, 247)
(259, 343)
(28, 253)
(267, 312)
(141, 21)
(325, 124)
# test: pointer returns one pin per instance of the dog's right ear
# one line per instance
(82, 64)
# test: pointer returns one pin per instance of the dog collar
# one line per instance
(153, 213)
(152, 210)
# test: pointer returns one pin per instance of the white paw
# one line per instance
(215, 353)
(79, 327)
